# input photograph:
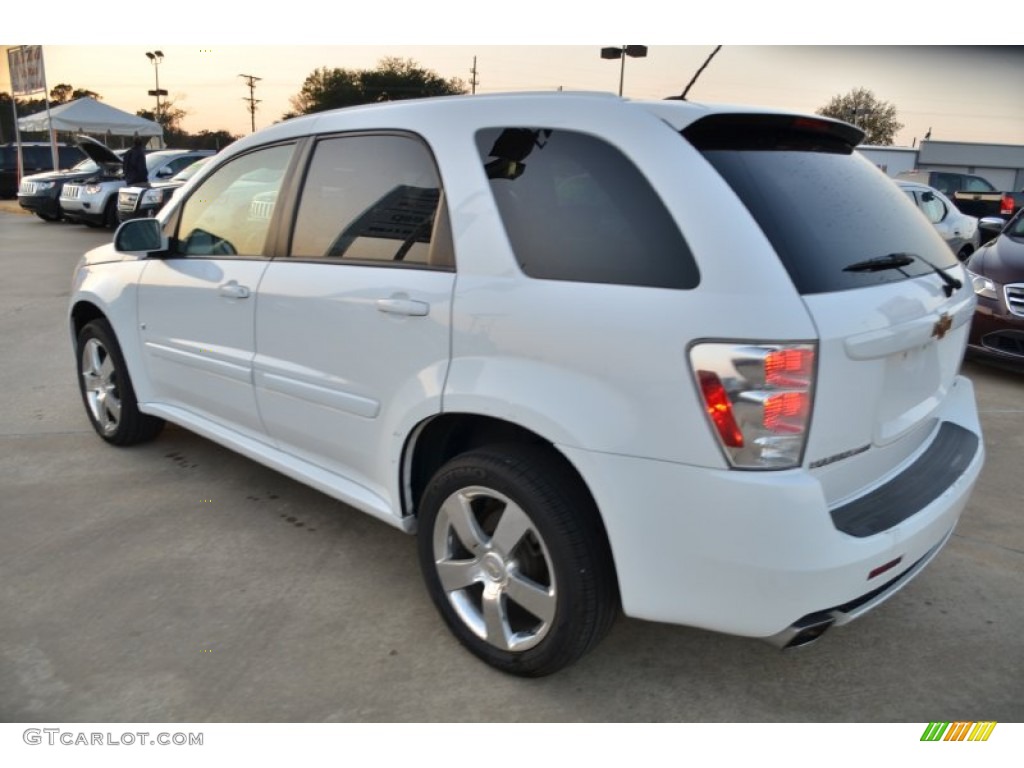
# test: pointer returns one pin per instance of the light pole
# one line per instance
(634, 51)
(156, 57)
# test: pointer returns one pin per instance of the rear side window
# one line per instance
(822, 206)
(977, 184)
(575, 208)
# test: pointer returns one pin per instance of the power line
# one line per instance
(253, 101)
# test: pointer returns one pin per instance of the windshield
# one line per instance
(86, 166)
(1016, 226)
(187, 173)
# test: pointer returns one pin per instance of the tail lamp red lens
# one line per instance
(719, 409)
(789, 367)
(786, 412)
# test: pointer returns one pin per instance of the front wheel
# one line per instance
(107, 389)
(515, 558)
(110, 213)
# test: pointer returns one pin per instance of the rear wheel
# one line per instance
(107, 390)
(515, 558)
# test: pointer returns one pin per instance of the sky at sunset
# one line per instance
(961, 94)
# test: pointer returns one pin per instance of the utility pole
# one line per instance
(473, 81)
(250, 80)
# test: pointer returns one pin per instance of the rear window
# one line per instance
(822, 206)
(575, 208)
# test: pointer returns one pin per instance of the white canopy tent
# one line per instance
(87, 115)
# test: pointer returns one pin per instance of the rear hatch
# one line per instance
(887, 296)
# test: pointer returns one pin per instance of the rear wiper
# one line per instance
(892, 261)
(900, 260)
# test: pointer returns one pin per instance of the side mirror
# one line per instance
(163, 173)
(141, 236)
(992, 224)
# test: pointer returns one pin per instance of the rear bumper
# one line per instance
(755, 553)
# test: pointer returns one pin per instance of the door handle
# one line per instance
(233, 290)
(399, 306)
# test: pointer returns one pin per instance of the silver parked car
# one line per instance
(959, 230)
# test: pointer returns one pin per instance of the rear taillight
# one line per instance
(1006, 205)
(758, 398)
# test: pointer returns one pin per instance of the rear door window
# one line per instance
(576, 208)
(372, 199)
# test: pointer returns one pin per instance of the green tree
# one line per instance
(393, 79)
(61, 93)
(81, 93)
(326, 89)
(875, 117)
(170, 119)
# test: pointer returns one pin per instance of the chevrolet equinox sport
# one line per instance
(692, 363)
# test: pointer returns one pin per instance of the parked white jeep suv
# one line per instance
(697, 362)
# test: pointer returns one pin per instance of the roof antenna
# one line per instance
(703, 66)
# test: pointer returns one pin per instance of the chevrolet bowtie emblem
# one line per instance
(942, 326)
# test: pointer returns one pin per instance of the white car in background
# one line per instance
(960, 231)
(699, 363)
(93, 201)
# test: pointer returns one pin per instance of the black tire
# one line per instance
(107, 391)
(110, 213)
(515, 558)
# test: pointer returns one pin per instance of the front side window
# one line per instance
(575, 208)
(371, 199)
(229, 213)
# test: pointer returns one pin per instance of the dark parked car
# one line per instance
(146, 200)
(36, 158)
(996, 271)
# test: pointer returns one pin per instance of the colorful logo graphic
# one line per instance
(958, 731)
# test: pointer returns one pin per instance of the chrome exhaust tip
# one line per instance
(803, 632)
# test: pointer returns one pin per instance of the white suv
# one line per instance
(695, 362)
(93, 201)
